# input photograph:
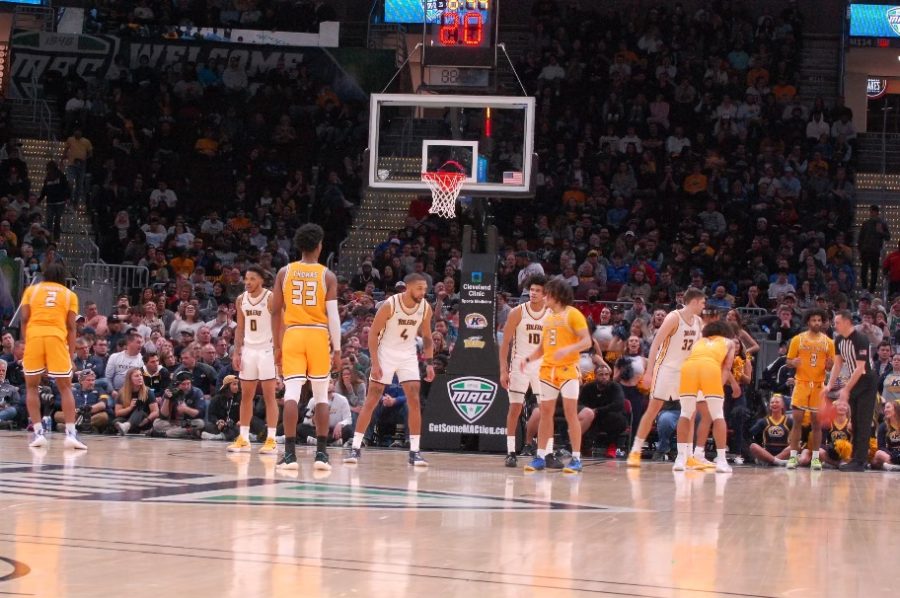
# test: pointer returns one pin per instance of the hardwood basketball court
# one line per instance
(140, 517)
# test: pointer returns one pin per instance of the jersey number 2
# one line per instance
(304, 292)
(50, 301)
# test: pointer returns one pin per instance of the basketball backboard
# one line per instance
(491, 137)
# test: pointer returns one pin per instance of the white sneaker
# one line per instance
(722, 466)
(38, 440)
(279, 439)
(738, 460)
(680, 464)
(123, 428)
(72, 442)
(210, 436)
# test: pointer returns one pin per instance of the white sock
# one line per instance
(270, 433)
(357, 439)
(311, 440)
(549, 449)
(638, 444)
(414, 443)
(541, 453)
(38, 429)
(245, 433)
(779, 462)
(684, 449)
(70, 429)
(699, 452)
(793, 453)
(510, 444)
(720, 455)
(576, 454)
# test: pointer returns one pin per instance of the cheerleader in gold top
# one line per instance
(838, 437)
(776, 430)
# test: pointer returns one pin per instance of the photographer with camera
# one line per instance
(136, 409)
(224, 413)
(182, 410)
(9, 397)
(91, 404)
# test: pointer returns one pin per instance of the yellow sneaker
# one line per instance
(239, 446)
(698, 464)
(634, 459)
(269, 447)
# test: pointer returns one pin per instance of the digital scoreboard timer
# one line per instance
(456, 33)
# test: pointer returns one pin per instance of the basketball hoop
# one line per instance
(445, 186)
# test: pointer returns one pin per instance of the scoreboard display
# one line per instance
(455, 32)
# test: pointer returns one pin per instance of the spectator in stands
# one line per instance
(203, 376)
(873, 233)
(9, 396)
(602, 409)
(120, 363)
(136, 409)
(93, 405)
(78, 151)
(183, 410)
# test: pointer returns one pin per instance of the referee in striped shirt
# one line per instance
(852, 348)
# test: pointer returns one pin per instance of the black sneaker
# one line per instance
(354, 456)
(321, 461)
(552, 462)
(511, 460)
(853, 466)
(529, 450)
(417, 460)
(288, 461)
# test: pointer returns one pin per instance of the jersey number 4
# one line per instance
(305, 292)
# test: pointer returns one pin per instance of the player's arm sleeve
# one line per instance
(334, 323)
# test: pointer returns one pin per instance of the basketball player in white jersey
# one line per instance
(671, 346)
(392, 346)
(254, 359)
(522, 332)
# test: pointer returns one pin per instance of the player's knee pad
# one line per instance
(293, 388)
(688, 406)
(516, 397)
(716, 408)
(319, 391)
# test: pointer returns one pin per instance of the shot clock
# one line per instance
(456, 33)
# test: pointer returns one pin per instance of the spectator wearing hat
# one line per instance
(182, 411)
(638, 311)
(872, 235)
(366, 275)
(224, 413)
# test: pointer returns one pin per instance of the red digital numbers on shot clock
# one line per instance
(462, 21)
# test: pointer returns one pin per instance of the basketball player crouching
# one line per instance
(254, 358)
(522, 333)
(392, 346)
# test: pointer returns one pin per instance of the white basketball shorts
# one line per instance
(257, 363)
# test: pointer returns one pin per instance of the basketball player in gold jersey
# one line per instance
(48, 313)
(703, 375)
(306, 330)
(810, 353)
(565, 336)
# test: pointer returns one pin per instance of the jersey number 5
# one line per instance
(304, 292)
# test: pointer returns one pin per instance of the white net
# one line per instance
(445, 187)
